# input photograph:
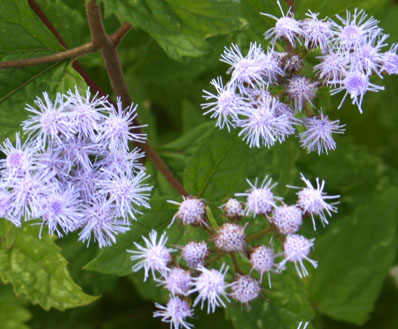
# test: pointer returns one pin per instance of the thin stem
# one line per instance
(87, 48)
(260, 234)
(236, 265)
(119, 84)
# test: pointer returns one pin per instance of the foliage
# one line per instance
(169, 56)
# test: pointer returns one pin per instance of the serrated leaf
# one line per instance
(180, 27)
(13, 315)
(218, 166)
(286, 304)
(355, 256)
(23, 36)
(115, 259)
(36, 268)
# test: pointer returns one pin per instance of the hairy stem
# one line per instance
(260, 234)
(87, 48)
(119, 85)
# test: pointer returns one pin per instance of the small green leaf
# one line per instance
(12, 313)
(36, 268)
(355, 256)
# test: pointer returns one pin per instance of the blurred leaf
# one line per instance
(115, 259)
(285, 306)
(180, 27)
(12, 313)
(356, 254)
(36, 268)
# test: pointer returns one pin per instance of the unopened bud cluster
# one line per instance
(268, 95)
(74, 170)
(196, 274)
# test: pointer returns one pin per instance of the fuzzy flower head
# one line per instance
(177, 281)
(85, 112)
(260, 200)
(287, 219)
(195, 253)
(191, 211)
(296, 249)
(175, 312)
(245, 70)
(390, 60)
(6, 207)
(245, 289)
(230, 237)
(319, 134)
(286, 27)
(354, 29)
(316, 32)
(101, 222)
(263, 126)
(154, 257)
(225, 106)
(332, 67)
(262, 261)
(314, 200)
(19, 158)
(116, 129)
(60, 210)
(126, 190)
(211, 287)
(301, 90)
(50, 121)
(355, 84)
(233, 209)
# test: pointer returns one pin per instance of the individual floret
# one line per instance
(211, 287)
(260, 200)
(319, 134)
(301, 90)
(177, 281)
(313, 200)
(195, 253)
(233, 209)
(244, 289)
(175, 312)
(231, 238)
(154, 257)
(191, 211)
(296, 250)
(286, 27)
(316, 32)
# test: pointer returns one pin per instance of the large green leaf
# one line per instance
(12, 313)
(355, 256)
(36, 268)
(23, 36)
(180, 26)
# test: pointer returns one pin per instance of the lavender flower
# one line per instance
(286, 27)
(226, 105)
(318, 136)
(316, 32)
(175, 312)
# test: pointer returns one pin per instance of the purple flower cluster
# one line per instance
(267, 95)
(74, 171)
(198, 274)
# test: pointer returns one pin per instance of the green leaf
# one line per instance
(12, 313)
(23, 36)
(115, 259)
(286, 304)
(218, 166)
(180, 27)
(355, 256)
(36, 268)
